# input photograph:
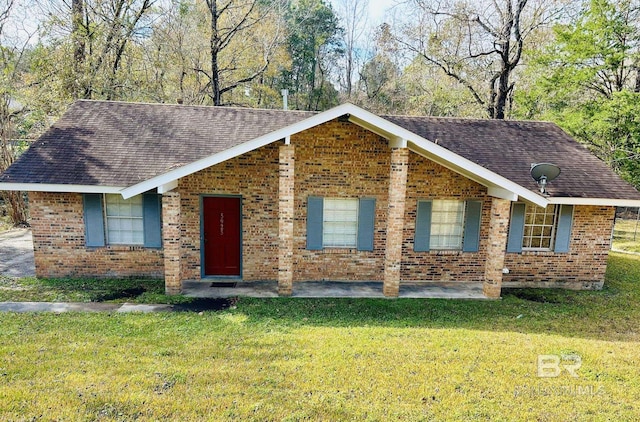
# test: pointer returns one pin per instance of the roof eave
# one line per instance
(608, 202)
(52, 187)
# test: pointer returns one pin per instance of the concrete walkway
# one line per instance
(335, 289)
(16, 253)
(60, 307)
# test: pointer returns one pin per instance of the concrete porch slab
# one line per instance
(324, 289)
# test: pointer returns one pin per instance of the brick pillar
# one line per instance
(285, 219)
(171, 242)
(395, 220)
(496, 247)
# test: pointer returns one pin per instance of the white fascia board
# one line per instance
(372, 128)
(238, 150)
(46, 187)
(609, 202)
(502, 193)
(397, 142)
(502, 187)
(168, 187)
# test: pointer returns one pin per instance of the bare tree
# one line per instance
(78, 34)
(12, 51)
(230, 19)
(478, 44)
(91, 39)
(353, 17)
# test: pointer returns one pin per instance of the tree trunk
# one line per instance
(78, 37)
(216, 95)
(16, 206)
(503, 91)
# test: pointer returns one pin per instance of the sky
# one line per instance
(377, 9)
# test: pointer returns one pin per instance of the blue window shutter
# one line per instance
(516, 228)
(151, 218)
(314, 223)
(366, 221)
(563, 231)
(471, 240)
(423, 227)
(93, 220)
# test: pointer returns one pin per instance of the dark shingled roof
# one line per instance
(509, 147)
(122, 144)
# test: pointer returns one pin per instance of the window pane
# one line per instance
(539, 227)
(447, 221)
(340, 223)
(124, 220)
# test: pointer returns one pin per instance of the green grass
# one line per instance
(626, 236)
(5, 224)
(85, 290)
(334, 359)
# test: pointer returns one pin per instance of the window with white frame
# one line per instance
(447, 224)
(124, 220)
(539, 227)
(340, 223)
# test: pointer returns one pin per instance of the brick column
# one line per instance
(496, 247)
(171, 242)
(395, 220)
(285, 219)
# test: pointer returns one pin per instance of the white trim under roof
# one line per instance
(503, 187)
(595, 201)
(168, 187)
(48, 187)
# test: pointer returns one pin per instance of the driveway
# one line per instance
(16, 253)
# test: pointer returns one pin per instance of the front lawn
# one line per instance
(31, 289)
(335, 359)
(626, 235)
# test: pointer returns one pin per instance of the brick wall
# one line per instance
(254, 176)
(286, 196)
(582, 268)
(427, 181)
(59, 243)
(341, 160)
(172, 242)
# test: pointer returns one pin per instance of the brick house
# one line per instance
(210, 193)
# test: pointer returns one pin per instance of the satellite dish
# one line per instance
(543, 173)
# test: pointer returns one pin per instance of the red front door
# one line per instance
(221, 235)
